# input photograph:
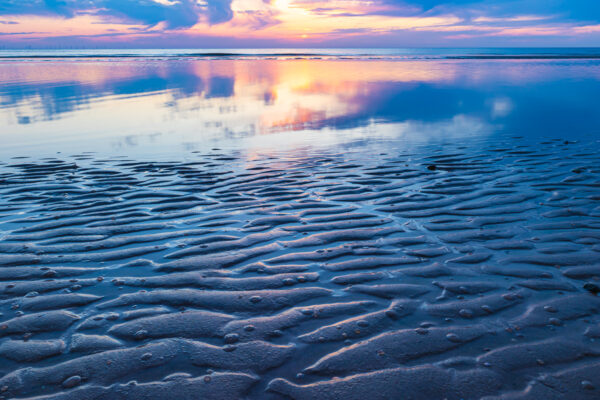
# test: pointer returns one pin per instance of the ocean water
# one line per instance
(311, 224)
(166, 101)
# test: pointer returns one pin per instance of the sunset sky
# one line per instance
(297, 23)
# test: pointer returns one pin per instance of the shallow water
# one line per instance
(256, 228)
(149, 106)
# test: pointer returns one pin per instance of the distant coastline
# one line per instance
(387, 54)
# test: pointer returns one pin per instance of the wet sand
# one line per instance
(461, 271)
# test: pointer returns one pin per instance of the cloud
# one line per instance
(481, 11)
(255, 19)
(173, 14)
(574, 10)
(19, 33)
(326, 23)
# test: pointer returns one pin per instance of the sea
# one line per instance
(146, 101)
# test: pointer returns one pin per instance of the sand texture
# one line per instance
(456, 271)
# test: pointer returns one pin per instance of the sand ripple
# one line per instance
(462, 271)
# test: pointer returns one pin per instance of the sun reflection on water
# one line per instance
(120, 104)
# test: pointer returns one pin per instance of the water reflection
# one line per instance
(115, 103)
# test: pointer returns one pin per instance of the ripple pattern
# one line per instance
(461, 271)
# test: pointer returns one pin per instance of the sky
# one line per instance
(298, 23)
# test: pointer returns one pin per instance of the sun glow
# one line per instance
(305, 22)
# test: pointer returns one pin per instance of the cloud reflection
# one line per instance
(201, 101)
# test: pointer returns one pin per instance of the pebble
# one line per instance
(587, 385)
(453, 337)
(555, 321)
(72, 381)
(592, 288)
(141, 334)
(231, 338)
(487, 309)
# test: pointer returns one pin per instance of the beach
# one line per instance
(299, 228)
